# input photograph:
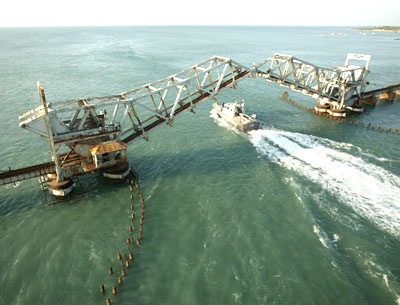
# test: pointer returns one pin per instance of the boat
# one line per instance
(234, 114)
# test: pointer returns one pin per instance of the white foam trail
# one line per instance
(154, 187)
(321, 236)
(370, 190)
(386, 280)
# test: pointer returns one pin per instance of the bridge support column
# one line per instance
(322, 108)
(372, 100)
(61, 188)
(119, 172)
(388, 96)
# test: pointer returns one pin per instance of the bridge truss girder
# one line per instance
(133, 110)
(340, 85)
(74, 126)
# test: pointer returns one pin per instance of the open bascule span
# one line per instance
(92, 134)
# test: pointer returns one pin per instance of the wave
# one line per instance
(324, 238)
(371, 191)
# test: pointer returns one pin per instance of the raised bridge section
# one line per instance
(73, 126)
(182, 107)
(340, 85)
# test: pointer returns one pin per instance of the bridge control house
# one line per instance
(107, 154)
(110, 156)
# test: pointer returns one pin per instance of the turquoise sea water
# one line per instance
(304, 211)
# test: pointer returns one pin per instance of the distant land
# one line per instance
(395, 29)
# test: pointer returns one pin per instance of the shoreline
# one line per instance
(389, 29)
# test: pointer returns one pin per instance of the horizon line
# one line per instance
(196, 25)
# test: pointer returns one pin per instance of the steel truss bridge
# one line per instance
(73, 127)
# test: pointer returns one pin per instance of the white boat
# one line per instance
(234, 114)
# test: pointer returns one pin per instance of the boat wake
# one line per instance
(371, 191)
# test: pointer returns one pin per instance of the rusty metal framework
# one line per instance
(124, 114)
(341, 85)
(75, 127)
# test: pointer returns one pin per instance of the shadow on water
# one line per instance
(200, 161)
(28, 194)
(21, 196)
(167, 164)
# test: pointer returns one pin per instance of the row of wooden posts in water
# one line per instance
(126, 259)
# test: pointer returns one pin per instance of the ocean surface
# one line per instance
(304, 211)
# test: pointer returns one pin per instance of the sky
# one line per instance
(29, 13)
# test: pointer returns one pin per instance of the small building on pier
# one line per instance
(109, 154)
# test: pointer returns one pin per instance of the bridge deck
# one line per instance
(15, 175)
(381, 90)
(183, 107)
